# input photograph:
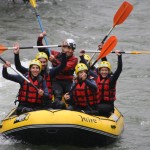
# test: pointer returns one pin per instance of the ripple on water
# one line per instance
(145, 123)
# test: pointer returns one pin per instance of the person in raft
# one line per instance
(83, 95)
(63, 81)
(106, 83)
(29, 97)
(46, 73)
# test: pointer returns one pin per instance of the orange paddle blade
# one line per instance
(108, 47)
(122, 13)
(2, 49)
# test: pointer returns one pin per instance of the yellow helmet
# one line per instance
(36, 62)
(105, 64)
(80, 67)
(41, 55)
(87, 58)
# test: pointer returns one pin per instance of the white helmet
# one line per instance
(71, 43)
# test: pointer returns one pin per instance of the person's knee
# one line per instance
(70, 107)
(105, 109)
(61, 105)
(57, 104)
(22, 109)
(58, 94)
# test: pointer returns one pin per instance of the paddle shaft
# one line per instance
(41, 27)
(123, 52)
(71, 90)
(30, 47)
(103, 41)
(20, 74)
(94, 63)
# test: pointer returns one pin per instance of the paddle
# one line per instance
(33, 4)
(3, 48)
(106, 49)
(20, 74)
(123, 52)
(120, 16)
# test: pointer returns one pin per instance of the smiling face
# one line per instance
(68, 47)
(104, 72)
(43, 62)
(35, 70)
(68, 50)
(82, 74)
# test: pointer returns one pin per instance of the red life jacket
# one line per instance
(68, 71)
(28, 93)
(106, 93)
(84, 96)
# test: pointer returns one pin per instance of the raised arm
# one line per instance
(118, 71)
(17, 62)
(40, 43)
(91, 84)
(11, 77)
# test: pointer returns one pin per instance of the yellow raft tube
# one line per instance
(62, 127)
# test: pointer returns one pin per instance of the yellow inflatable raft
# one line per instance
(63, 127)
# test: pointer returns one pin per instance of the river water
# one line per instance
(86, 21)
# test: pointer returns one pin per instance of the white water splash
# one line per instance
(145, 123)
(8, 91)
